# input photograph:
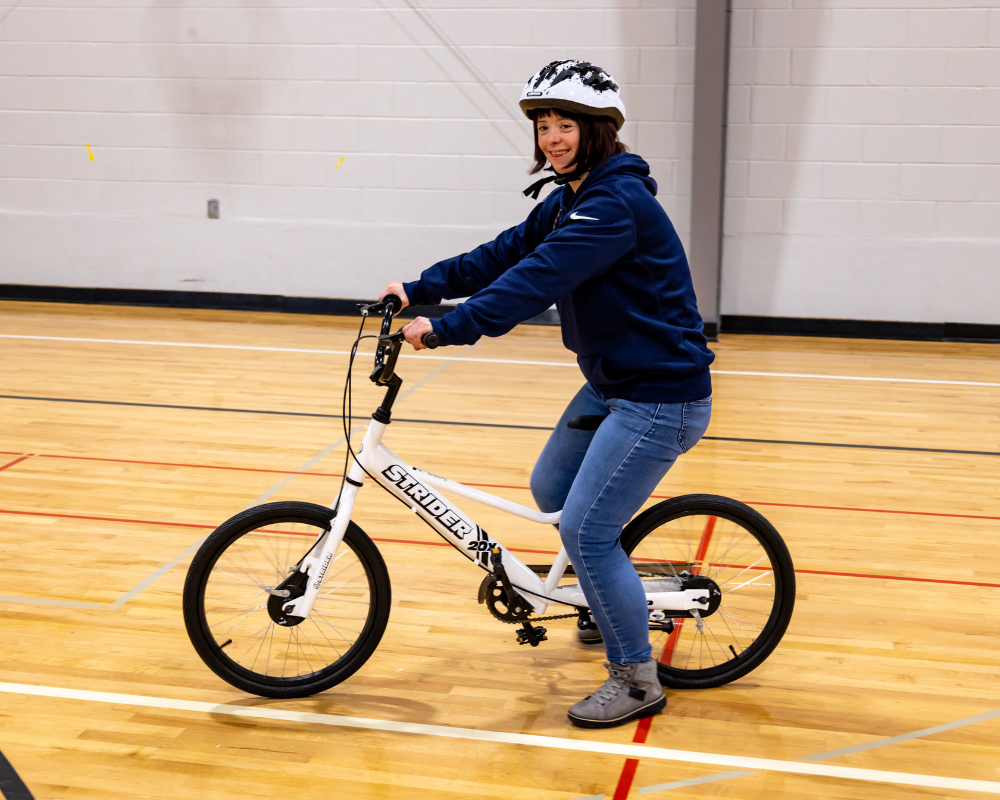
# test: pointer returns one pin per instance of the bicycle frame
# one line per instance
(411, 486)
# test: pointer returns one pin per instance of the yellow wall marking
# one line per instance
(91, 154)
(335, 166)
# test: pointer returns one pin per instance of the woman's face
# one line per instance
(559, 140)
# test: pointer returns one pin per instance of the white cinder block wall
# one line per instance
(864, 160)
(348, 143)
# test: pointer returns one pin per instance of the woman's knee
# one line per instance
(579, 537)
(546, 489)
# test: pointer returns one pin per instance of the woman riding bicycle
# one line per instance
(603, 250)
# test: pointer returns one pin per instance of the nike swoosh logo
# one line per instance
(574, 215)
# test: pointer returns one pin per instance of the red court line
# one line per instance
(625, 779)
(515, 549)
(629, 768)
(106, 519)
(193, 466)
(15, 461)
(671, 644)
(642, 730)
(849, 508)
(508, 486)
(873, 510)
(896, 578)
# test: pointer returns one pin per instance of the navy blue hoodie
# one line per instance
(610, 259)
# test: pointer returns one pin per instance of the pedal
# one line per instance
(531, 635)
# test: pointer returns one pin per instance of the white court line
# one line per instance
(501, 737)
(488, 360)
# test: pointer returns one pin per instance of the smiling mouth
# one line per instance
(558, 153)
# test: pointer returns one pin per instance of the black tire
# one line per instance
(231, 572)
(734, 546)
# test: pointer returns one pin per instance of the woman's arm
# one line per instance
(599, 233)
(471, 272)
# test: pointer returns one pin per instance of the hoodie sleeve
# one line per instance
(467, 274)
(597, 234)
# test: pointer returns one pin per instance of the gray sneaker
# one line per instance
(631, 691)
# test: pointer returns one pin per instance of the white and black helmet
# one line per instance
(574, 86)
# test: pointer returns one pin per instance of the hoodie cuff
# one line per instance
(415, 294)
(453, 327)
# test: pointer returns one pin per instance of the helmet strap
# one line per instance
(535, 189)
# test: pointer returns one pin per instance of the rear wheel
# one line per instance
(239, 627)
(735, 555)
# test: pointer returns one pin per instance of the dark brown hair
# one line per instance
(598, 138)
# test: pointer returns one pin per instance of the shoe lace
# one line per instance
(616, 683)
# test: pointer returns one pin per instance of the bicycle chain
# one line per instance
(555, 616)
(527, 619)
(533, 620)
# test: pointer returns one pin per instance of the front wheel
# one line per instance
(735, 555)
(233, 603)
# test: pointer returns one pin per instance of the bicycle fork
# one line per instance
(321, 556)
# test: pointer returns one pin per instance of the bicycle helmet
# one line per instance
(577, 86)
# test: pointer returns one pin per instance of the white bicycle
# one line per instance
(289, 599)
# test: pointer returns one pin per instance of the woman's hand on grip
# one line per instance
(396, 289)
(413, 331)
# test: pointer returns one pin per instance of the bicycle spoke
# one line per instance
(235, 593)
(732, 555)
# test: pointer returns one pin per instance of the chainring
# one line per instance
(491, 592)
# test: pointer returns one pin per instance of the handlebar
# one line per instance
(385, 366)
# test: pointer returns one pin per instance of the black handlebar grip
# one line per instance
(430, 339)
(397, 304)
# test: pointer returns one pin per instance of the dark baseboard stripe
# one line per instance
(226, 301)
(730, 323)
(11, 785)
(488, 425)
(861, 329)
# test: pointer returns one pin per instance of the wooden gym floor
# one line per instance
(122, 449)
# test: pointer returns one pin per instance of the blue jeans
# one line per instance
(600, 479)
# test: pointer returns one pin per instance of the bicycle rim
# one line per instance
(735, 555)
(236, 599)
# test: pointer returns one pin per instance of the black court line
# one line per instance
(496, 425)
(11, 785)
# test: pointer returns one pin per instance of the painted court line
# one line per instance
(163, 570)
(829, 573)
(545, 428)
(11, 785)
(502, 737)
(484, 360)
(15, 461)
(496, 485)
(40, 602)
(844, 751)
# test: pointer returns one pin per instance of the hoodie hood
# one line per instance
(621, 165)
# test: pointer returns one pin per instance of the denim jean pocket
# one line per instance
(696, 416)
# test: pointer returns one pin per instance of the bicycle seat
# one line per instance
(588, 422)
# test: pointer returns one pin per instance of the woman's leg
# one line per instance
(559, 462)
(629, 455)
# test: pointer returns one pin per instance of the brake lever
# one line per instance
(391, 301)
(366, 309)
